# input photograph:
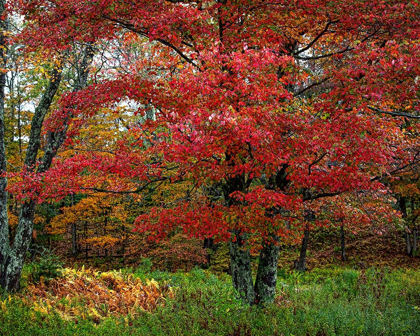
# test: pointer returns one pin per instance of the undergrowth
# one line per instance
(332, 301)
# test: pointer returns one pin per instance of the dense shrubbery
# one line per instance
(322, 302)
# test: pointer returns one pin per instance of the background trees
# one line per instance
(13, 249)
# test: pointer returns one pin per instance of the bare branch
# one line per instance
(329, 23)
(394, 113)
(311, 86)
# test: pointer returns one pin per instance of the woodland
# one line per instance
(209, 167)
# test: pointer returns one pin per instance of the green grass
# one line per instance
(321, 302)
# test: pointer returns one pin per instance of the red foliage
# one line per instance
(234, 87)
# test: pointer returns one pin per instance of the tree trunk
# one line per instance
(12, 257)
(4, 219)
(123, 240)
(343, 243)
(86, 245)
(266, 281)
(407, 242)
(74, 249)
(105, 224)
(407, 232)
(300, 265)
(414, 249)
(13, 266)
(208, 244)
(240, 265)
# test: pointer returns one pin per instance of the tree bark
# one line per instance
(240, 265)
(266, 281)
(17, 255)
(343, 243)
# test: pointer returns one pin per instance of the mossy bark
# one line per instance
(240, 266)
(265, 283)
(13, 267)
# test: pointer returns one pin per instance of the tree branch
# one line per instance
(394, 113)
(321, 195)
(311, 86)
(329, 23)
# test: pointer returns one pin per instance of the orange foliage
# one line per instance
(88, 294)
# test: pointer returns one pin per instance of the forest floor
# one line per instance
(376, 292)
(364, 250)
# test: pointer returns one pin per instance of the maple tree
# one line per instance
(260, 107)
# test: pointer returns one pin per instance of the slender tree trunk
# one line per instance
(407, 242)
(343, 243)
(74, 249)
(300, 265)
(208, 244)
(266, 281)
(414, 249)
(123, 240)
(407, 233)
(86, 245)
(240, 265)
(105, 224)
(12, 258)
(12, 266)
(19, 124)
(4, 219)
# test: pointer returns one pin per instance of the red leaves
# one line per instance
(237, 91)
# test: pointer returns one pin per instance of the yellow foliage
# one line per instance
(13, 219)
(104, 241)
